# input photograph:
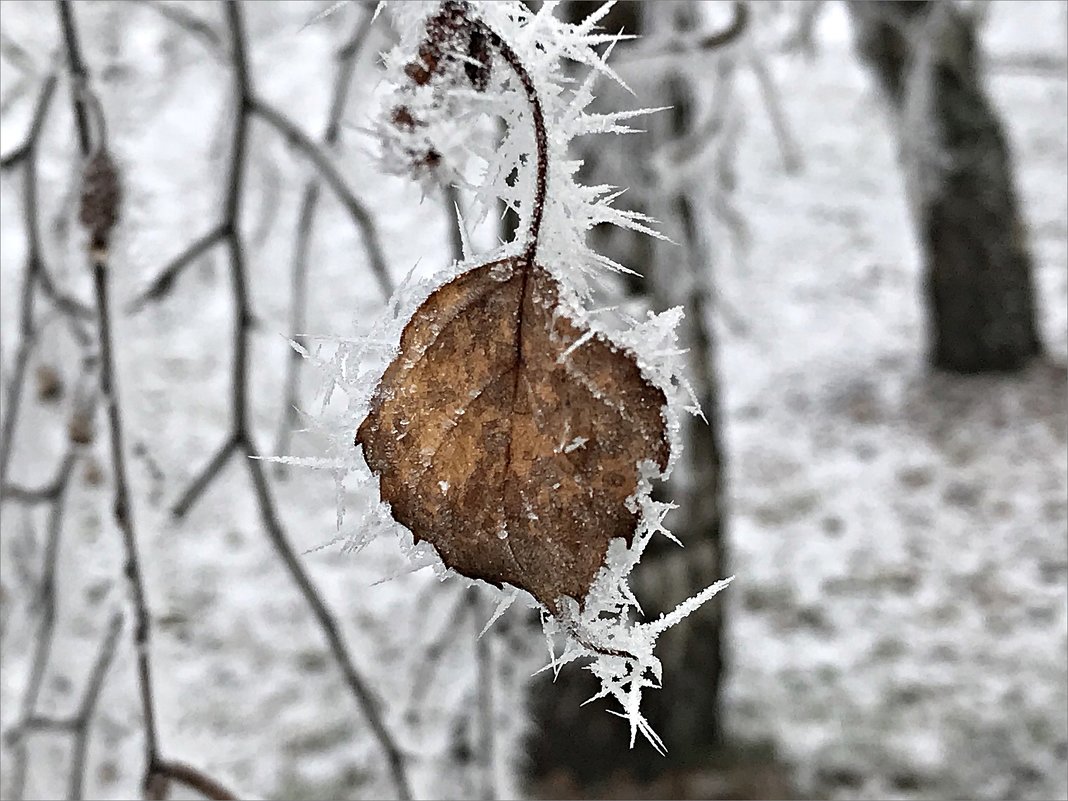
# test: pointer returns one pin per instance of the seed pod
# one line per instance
(101, 197)
(80, 428)
(49, 383)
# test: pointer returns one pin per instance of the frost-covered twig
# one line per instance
(309, 204)
(241, 440)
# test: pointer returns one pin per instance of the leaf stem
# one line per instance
(541, 139)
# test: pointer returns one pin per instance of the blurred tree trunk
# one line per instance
(958, 168)
(585, 741)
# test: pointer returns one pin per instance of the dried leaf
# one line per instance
(509, 437)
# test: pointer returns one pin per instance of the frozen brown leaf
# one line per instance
(509, 437)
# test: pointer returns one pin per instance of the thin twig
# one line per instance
(34, 259)
(45, 634)
(431, 659)
(683, 44)
(241, 429)
(194, 779)
(78, 726)
(47, 724)
(99, 213)
(46, 493)
(79, 77)
(66, 303)
(330, 173)
(163, 282)
(190, 23)
(122, 506)
(45, 597)
(541, 142)
(12, 158)
(484, 703)
(123, 513)
(321, 160)
(196, 488)
(789, 149)
(87, 708)
(309, 203)
(19, 58)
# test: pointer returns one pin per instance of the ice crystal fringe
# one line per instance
(457, 124)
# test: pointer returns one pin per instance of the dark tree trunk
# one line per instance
(584, 741)
(978, 274)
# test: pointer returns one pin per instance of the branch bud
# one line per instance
(101, 198)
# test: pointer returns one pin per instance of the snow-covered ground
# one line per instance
(900, 614)
(899, 621)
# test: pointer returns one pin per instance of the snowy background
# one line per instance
(899, 623)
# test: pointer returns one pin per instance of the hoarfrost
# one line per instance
(458, 125)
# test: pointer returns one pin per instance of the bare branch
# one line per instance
(685, 43)
(732, 33)
(36, 123)
(194, 779)
(122, 506)
(356, 683)
(78, 726)
(313, 152)
(87, 708)
(309, 204)
(46, 493)
(484, 678)
(190, 23)
(46, 724)
(162, 283)
(789, 149)
(66, 303)
(44, 636)
(18, 55)
(241, 436)
(27, 330)
(204, 478)
(431, 658)
(332, 176)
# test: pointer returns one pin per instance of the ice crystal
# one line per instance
(447, 128)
